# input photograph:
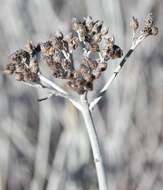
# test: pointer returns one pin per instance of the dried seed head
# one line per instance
(57, 53)
(149, 27)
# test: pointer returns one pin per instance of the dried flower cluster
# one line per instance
(57, 53)
(24, 64)
(89, 35)
(149, 28)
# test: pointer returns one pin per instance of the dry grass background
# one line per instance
(45, 145)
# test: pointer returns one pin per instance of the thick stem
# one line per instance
(94, 143)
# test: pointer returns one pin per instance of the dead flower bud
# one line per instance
(154, 30)
(19, 76)
(75, 24)
(149, 21)
(111, 51)
(34, 67)
(8, 72)
(33, 50)
(134, 24)
(97, 27)
(59, 35)
(81, 32)
(104, 31)
(72, 41)
(10, 68)
(47, 48)
(102, 66)
(89, 23)
(149, 27)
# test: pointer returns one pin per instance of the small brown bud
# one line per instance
(154, 31)
(88, 77)
(97, 27)
(134, 23)
(104, 31)
(81, 31)
(84, 68)
(102, 66)
(59, 35)
(94, 47)
(149, 21)
(18, 76)
(89, 86)
(89, 23)
(117, 52)
(97, 73)
(97, 38)
(26, 76)
(8, 72)
(34, 67)
(75, 24)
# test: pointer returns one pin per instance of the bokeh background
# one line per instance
(45, 145)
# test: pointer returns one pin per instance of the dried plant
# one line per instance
(98, 47)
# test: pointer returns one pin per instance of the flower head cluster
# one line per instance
(148, 29)
(56, 52)
(89, 35)
(24, 64)
(149, 26)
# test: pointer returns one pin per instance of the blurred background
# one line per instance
(45, 145)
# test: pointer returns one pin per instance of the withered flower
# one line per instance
(134, 24)
(110, 50)
(23, 65)
(57, 53)
(88, 34)
(149, 27)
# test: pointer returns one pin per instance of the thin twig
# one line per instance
(50, 83)
(94, 142)
(58, 91)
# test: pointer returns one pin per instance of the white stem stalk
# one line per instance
(94, 143)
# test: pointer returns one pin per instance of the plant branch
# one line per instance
(58, 91)
(94, 142)
(51, 84)
(135, 43)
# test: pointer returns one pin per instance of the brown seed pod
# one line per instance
(102, 66)
(154, 30)
(89, 86)
(19, 76)
(27, 76)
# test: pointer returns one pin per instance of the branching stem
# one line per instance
(116, 71)
(94, 142)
